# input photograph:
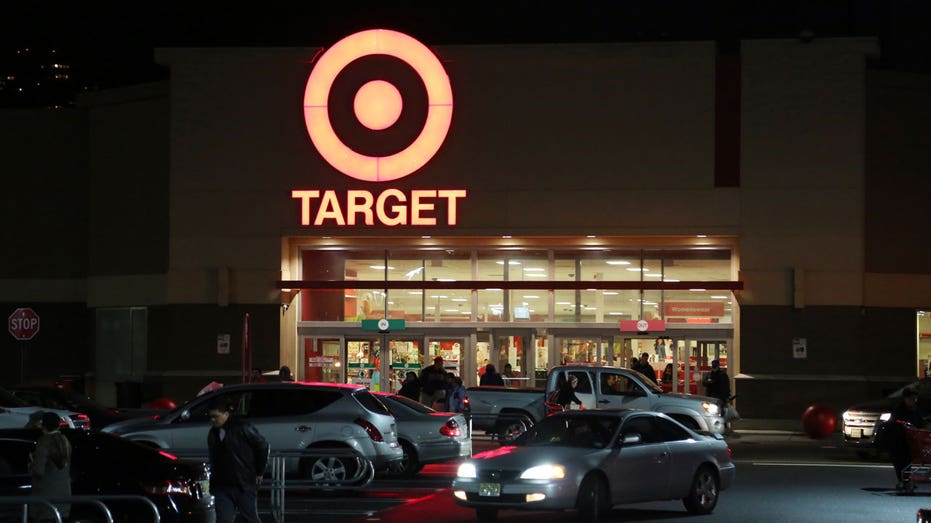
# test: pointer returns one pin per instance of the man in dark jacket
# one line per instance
(238, 455)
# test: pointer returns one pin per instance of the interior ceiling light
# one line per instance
(380, 267)
(617, 262)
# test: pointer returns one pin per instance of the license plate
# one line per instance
(489, 490)
(856, 433)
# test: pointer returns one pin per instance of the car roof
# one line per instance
(293, 385)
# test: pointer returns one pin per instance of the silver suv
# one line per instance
(291, 416)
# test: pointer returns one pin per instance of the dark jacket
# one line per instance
(432, 379)
(491, 378)
(411, 389)
(240, 457)
(718, 385)
(565, 395)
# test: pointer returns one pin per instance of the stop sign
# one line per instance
(24, 323)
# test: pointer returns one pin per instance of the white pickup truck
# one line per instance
(508, 412)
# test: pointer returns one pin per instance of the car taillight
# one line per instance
(730, 453)
(451, 429)
(168, 487)
(81, 421)
(370, 429)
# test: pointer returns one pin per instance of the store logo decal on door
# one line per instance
(377, 106)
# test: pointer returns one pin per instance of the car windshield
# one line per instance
(922, 387)
(589, 431)
(650, 384)
(8, 400)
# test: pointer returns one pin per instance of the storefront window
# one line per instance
(490, 305)
(588, 305)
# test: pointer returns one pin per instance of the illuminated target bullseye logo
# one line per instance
(377, 104)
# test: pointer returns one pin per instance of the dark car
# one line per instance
(862, 420)
(103, 464)
(52, 397)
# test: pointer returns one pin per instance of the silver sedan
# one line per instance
(427, 436)
(592, 460)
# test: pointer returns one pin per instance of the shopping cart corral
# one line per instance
(326, 469)
(98, 502)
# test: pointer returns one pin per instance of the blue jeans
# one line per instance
(230, 498)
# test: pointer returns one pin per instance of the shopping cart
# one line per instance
(919, 446)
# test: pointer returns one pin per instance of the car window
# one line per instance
(643, 425)
(287, 402)
(583, 383)
(370, 402)
(618, 384)
(14, 457)
(669, 431)
(238, 399)
(571, 431)
(404, 408)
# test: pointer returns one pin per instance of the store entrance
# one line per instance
(323, 360)
(515, 354)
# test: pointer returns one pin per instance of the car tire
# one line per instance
(511, 427)
(486, 515)
(703, 494)
(328, 470)
(410, 465)
(594, 501)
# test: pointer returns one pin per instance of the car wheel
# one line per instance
(703, 494)
(486, 514)
(593, 501)
(510, 428)
(409, 466)
(328, 470)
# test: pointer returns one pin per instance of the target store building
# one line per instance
(527, 205)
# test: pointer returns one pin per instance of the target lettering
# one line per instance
(391, 207)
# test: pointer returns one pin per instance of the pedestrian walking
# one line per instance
(50, 468)
(238, 456)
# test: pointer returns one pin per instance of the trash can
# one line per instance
(128, 394)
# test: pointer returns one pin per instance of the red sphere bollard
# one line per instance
(819, 421)
(163, 403)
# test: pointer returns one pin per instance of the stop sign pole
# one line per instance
(23, 325)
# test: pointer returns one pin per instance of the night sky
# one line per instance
(111, 45)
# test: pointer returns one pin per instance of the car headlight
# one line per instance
(846, 415)
(544, 472)
(466, 470)
(885, 416)
(711, 408)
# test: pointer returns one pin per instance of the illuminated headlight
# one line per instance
(885, 416)
(544, 472)
(466, 470)
(846, 415)
(711, 408)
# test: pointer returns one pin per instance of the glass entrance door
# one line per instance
(362, 359)
(323, 360)
(404, 355)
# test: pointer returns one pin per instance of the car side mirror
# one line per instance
(632, 438)
(185, 415)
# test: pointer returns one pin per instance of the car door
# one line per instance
(640, 471)
(582, 382)
(286, 417)
(685, 455)
(187, 434)
(618, 391)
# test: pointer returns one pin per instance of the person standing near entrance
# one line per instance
(659, 347)
(238, 456)
(433, 382)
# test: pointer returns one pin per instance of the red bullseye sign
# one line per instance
(23, 324)
(377, 105)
